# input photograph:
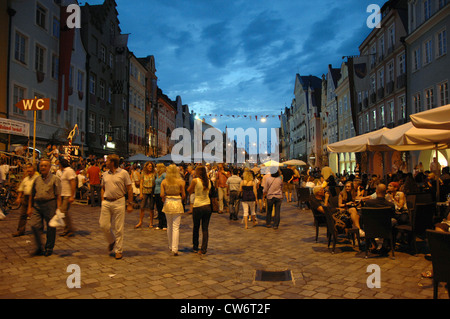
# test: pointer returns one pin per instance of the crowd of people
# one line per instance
(343, 196)
(167, 192)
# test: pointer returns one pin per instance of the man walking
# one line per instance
(46, 199)
(68, 188)
(116, 183)
(233, 185)
(24, 191)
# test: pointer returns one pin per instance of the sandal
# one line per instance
(427, 274)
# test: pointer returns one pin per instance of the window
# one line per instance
(55, 66)
(402, 107)
(441, 43)
(429, 95)
(416, 103)
(426, 9)
(381, 78)
(390, 110)
(19, 95)
(41, 16)
(401, 64)
(391, 71)
(56, 27)
(109, 95)
(111, 60)
(54, 112)
(80, 119)
(416, 59)
(382, 47)
(391, 38)
(20, 48)
(382, 122)
(103, 53)
(91, 123)
(39, 58)
(102, 89)
(443, 93)
(80, 81)
(101, 126)
(374, 119)
(427, 53)
(92, 83)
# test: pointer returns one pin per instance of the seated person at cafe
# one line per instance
(320, 199)
(399, 200)
(348, 201)
(380, 201)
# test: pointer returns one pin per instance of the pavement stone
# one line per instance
(227, 271)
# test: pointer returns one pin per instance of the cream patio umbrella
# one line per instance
(295, 162)
(406, 137)
(438, 118)
(358, 143)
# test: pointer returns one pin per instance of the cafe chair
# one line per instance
(421, 219)
(303, 195)
(377, 224)
(319, 221)
(439, 244)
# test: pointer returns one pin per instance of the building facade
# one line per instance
(137, 107)
(428, 63)
(45, 62)
(166, 123)
(107, 79)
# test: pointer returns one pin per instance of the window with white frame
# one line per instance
(427, 46)
(39, 62)
(382, 121)
(417, 103)
(391, 37)
(101, 125)
(41, 16)
(401, 64)
(390, 110)
(102, 89)
(416, 59)
(402, 107)
(18, 95)
(441, 43)
(443, 93)
(20, 48)
(91, 124)
(92, 83)
(391, 71)
(429, 98)
(374, 119)
(381, 78)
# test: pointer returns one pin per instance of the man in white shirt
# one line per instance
(4, 170)
(24, 193)
(68, 188)
(116, 183)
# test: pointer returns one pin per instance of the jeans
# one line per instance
(276, 219)
(233, 205)
(44, 212)
(201, 215)
(162, 221)
(98, 189)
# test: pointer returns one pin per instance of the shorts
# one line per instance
(148, 200)
(288, 187)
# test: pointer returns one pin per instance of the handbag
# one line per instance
(213, 198)
(58, 219)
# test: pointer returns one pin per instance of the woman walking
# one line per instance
(147, 185)
(160, 176)
(201, 214)
(173, 195)
(249, 197)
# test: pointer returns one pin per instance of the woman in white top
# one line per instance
(172, 194)
(201, 213)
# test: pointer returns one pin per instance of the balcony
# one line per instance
(380, 92)
(390, 87)
(401, 81)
